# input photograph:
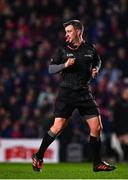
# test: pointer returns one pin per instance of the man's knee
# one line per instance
(58, 125)
(95, 125)
(99, 128)
(96, 128)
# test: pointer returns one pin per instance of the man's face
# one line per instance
(71, 34)
(125, 94)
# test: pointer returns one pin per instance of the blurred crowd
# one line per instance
(29, 33)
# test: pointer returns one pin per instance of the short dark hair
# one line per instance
(75, 23)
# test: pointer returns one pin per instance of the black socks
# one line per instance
(95, 145)
(48, 138)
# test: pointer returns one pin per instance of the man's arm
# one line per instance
(56, 64)
(96, 65)
(55, 68)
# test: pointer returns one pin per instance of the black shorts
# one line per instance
(68, 100)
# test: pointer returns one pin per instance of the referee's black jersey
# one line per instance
(78, 75)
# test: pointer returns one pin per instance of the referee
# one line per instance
(78, 62)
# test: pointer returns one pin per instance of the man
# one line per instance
(78, 62)
(121, 122)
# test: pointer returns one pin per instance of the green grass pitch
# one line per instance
(60, 171)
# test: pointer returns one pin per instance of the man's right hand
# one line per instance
(69, 62)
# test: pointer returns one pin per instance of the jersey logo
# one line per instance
(70, 55)
(88, 55)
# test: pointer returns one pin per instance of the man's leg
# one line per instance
(95, 126)
(124, 143)
(48, 138)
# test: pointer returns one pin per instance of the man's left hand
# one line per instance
(94, 72)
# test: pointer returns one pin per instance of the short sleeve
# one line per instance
(57, 56)
(97, 59)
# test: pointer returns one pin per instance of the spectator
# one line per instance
(121, 121)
